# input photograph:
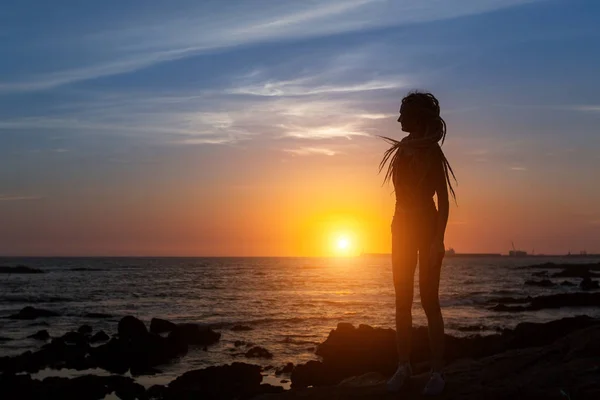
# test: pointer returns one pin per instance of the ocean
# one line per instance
(291, 304)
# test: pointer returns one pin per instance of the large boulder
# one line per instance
(235, 381)
(82, 387)
(554, 301)
(33, 313)
(194, 334)
(158, 325)
(350, 351)
(131, 328)
(564, 369)
(40, 335)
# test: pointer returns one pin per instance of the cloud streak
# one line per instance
(138, 42)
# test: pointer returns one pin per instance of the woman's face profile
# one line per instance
(408, 120)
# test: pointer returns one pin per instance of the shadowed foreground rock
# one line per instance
(21, 387)
(235, 381)
(350, 351)
(135, 349)
(568, 368)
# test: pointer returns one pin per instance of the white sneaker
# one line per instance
(435, 386)
(401, 375)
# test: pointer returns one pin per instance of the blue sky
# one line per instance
(107, 104)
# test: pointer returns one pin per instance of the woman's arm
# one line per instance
(441, 190)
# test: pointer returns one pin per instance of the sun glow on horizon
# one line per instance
(344, 245)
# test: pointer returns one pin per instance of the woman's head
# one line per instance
(420, 116)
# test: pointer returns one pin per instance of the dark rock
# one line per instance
(542, 283)
(567, 283)
(555, 301)
(144, 370)
(471, 328)
(511, 300)
(40, 335)
(99, 336)
(541, 274)
(286, 369)
(97, 315)
(158, 325)
(565, 368)
(239, 343)
(238, 380)
(157, 392)
(354, 351)
(268, 367)
(241, 328)
(259, 352)
(131, 328)
(20, 269)
(85, 329)
(5, 339)
(284, 381)
(194, 334)
(74, 338)
(33, 313)
(576, 271)
(588, 284)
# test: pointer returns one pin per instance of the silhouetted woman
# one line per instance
(418, 169)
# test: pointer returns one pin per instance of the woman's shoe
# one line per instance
(402, 374)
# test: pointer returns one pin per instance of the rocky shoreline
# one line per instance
(554, 360)
(533, 361)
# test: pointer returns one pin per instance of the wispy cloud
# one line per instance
(306, 151)
(18, 197)
(130, 42)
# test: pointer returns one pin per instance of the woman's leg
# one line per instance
(429, 284)
(404, 262)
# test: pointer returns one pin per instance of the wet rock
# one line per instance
(83, 387)
(157, 392)
(20, 269)
(40, 335)
(131, 328)
(239, 343)
(5, 339)
(554, 301)
(85, 329)
(99, 336)
(576, 271)
(238, 380)
(97, 315)
(565, 368)
(588, 284)
(543, 274)
(542, 283)
(286, 369)
(268, 368)
(74, 338)
(284, 381)
(353, 351)
(567, 283)
(194, 334)
(471, 328)
(33, 313)
(158, 325)
(258, 352)
(239, 328)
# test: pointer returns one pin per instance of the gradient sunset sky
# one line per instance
(247, 128)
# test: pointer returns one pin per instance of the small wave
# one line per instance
(83, 269)
(290, 340)
(25, 298)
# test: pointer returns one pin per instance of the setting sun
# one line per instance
(343, 243)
